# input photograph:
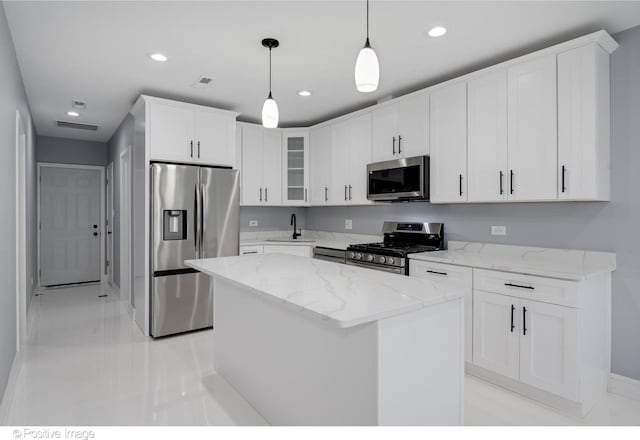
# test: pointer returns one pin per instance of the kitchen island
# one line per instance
(310, 342)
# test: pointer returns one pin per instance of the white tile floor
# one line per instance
(86, 363)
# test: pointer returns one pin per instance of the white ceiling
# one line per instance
(97, 51)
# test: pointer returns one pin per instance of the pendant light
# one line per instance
(270, 114)
(367, 67)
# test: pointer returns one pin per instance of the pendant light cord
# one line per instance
(269, 72)
(367, 20)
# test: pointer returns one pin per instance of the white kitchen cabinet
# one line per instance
(261, 166)
(487, 137)
(401, 128)
(187, 133)
(532, 130)
(448, 128)
(350, 154)
(496, 338)
(295, 157)
(299, 250)
(583, 124)
(320, 165)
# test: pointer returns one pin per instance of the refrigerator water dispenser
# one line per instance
(174, 224)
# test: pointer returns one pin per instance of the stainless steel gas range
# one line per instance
(400, 240)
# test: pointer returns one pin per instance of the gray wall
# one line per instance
(12, 97)
(607, 226)
(71, 151)
(270, 218)
(119, 142)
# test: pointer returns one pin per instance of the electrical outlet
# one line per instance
(253, 223)
(498, 230)
(348, 224)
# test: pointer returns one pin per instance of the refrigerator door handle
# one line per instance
(202, 220)
(196, 221)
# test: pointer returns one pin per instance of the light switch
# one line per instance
(348, 224)
(253, 223)
(498, 230)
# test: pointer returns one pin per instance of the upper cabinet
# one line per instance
(295, 156)
(261, 171)
(532, 130)
(448, 168)
(583, 124)
(187, 133)
(401, 128)
(321, 171)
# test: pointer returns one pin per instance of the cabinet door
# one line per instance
(413, 126)
(171, 133)
(495, 335)
(340, 157)
(487, 139)
(272, 166)
(320, 165)
(358, 158)
(295, 156)
(385, 133)
(215, 138)
(448, 128)
(298, 250)
(583, 124)
(251, 171)
(532, 130)
(549, 348)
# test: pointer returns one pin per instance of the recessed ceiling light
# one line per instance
(304, 93)
(437, 31)
(74, 114)
(158, 57)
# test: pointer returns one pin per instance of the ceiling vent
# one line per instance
(203, 82)
(76, 103)
(67, 124)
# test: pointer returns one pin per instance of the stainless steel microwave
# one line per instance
(399, 180)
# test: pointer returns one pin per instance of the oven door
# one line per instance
(398, 270)
(402, 179)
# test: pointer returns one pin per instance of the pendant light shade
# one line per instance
(367, 73)
(270, 113)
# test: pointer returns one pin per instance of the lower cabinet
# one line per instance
(299, 250)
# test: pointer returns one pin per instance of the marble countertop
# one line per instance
(342, 295)
(334, 240)
(573, 265)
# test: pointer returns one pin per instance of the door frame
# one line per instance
(108, 267)
(102, 209)
(21, 232)
(125, 229)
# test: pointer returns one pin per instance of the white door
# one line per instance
(448, 127)
(251, 170)
(70, 225)
(171, 133)
(495, 333)
(320, 165)
(385, 133)
(532, 128)
(549, 348)
(295, 163)
(272, 166)
(215, 138)
(487, 139)
(340, 157)
(109, 225)
(358, 158)
(413, 125)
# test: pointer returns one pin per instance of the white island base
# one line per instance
(295, 369)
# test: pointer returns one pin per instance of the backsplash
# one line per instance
(270, 218)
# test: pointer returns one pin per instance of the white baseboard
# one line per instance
(624, 386)
(10, 390)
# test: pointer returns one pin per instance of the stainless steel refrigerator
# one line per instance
(194, 214)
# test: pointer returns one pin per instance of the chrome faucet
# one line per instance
(293, 223)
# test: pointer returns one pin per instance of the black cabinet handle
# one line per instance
(345, 192)
(460, 185)
(261, 194)
(326, 197)
(95, 234)
(511, 182)
(513, 308)
(249, 252)
(519, 286)
(524, 321)
(349, 192)
(198, 149)
(564, 188)
(394, 144)
(438, 273)
(266, 195)
(399, 144)
(191, 148)
(501, 188)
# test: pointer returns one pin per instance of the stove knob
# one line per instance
(370, 257)
(352, 255)
(383, 260)
(390, 260)
(358, 256)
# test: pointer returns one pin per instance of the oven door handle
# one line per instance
(396, 269)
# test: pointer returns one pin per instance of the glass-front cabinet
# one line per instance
(296, 167)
